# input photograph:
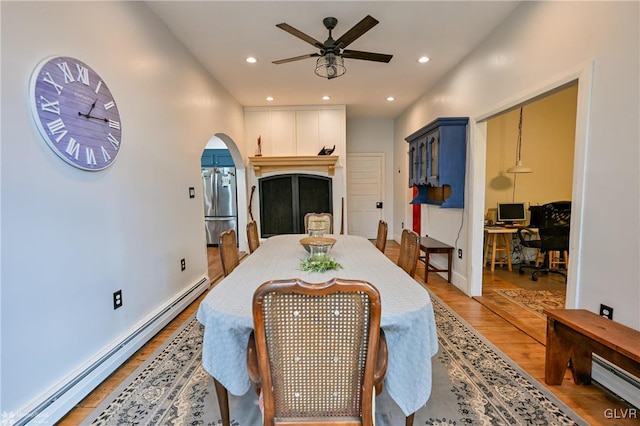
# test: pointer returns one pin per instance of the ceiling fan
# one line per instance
(330, 62)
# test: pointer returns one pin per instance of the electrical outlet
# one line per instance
(117, 299)
(183, 264)
(459, 253)
(402, 225)
(606, 311)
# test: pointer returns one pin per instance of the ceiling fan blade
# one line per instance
(356, 31)
(302, 36)
(367, 56)
(296, 58)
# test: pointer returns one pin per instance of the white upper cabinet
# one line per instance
(333, 131)
(257, 124)
(283, 136)
(296, 131)
(307, 133)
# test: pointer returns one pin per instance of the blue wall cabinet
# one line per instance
(437, 160)
(216, 158)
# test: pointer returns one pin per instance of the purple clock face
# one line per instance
(76, 113)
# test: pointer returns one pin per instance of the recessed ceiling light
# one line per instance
(252, 60)
(269, 98)
(423, 59)
(391, 98)
(326, 98)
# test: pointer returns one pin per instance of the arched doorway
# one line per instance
(221, 141)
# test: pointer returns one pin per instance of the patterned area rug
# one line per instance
(535, 301)
(473, 383)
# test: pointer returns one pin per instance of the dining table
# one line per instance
(407, 314)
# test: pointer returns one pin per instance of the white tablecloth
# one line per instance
(407, 313)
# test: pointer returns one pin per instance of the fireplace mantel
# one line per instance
(272, 164)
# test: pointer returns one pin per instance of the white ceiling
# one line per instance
(222, 34)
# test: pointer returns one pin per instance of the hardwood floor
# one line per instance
(591, 402)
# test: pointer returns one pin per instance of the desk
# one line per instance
(429, 245)
(407, 313)
(492, 235)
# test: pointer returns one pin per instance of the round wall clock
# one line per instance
(75, 112)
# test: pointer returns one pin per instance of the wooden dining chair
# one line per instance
(318, 220)
(409, 251)
(229, 251)
(252, 236)
(381, 239)
(317, 352)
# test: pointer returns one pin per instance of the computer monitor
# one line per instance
(512, 212)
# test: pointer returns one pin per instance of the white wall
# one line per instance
(542, 45)
(375, 136)
(215, 143)
(70, 238)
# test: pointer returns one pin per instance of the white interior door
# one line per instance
(364, 192)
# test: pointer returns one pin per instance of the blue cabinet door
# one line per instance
(437, 161)
(208, 158)
(224, 159)
(216, 158)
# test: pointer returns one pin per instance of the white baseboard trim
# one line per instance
(55, 403)
(618, 381)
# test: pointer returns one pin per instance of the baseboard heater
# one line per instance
(56, 405)
(618, 381)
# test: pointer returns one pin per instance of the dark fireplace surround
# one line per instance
(286, 198)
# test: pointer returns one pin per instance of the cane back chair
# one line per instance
(229, 251)
(318, 221)
(317, 352)
(252, 236)
(409, 251)
(381, 239)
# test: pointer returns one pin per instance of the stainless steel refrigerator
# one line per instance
(220, 202)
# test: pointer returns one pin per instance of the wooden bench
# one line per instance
(573, 335)
(430, 245)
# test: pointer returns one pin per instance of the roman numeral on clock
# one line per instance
(48, 79)
(91, 156)
(83, 74)
(68, 77)
(105, 154)
(114, 142)
(56, 127)
(53, 107)
(73, 148)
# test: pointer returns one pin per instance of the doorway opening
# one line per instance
(219, 190)
(548, 144)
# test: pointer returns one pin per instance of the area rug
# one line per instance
(473, 383)
(535, 301)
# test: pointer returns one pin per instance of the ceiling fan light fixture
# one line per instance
(330, 66)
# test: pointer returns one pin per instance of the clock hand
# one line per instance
(91, 116)
(93, 105)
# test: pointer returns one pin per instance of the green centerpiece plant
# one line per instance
(319, 264)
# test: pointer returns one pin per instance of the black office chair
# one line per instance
(553, 223)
